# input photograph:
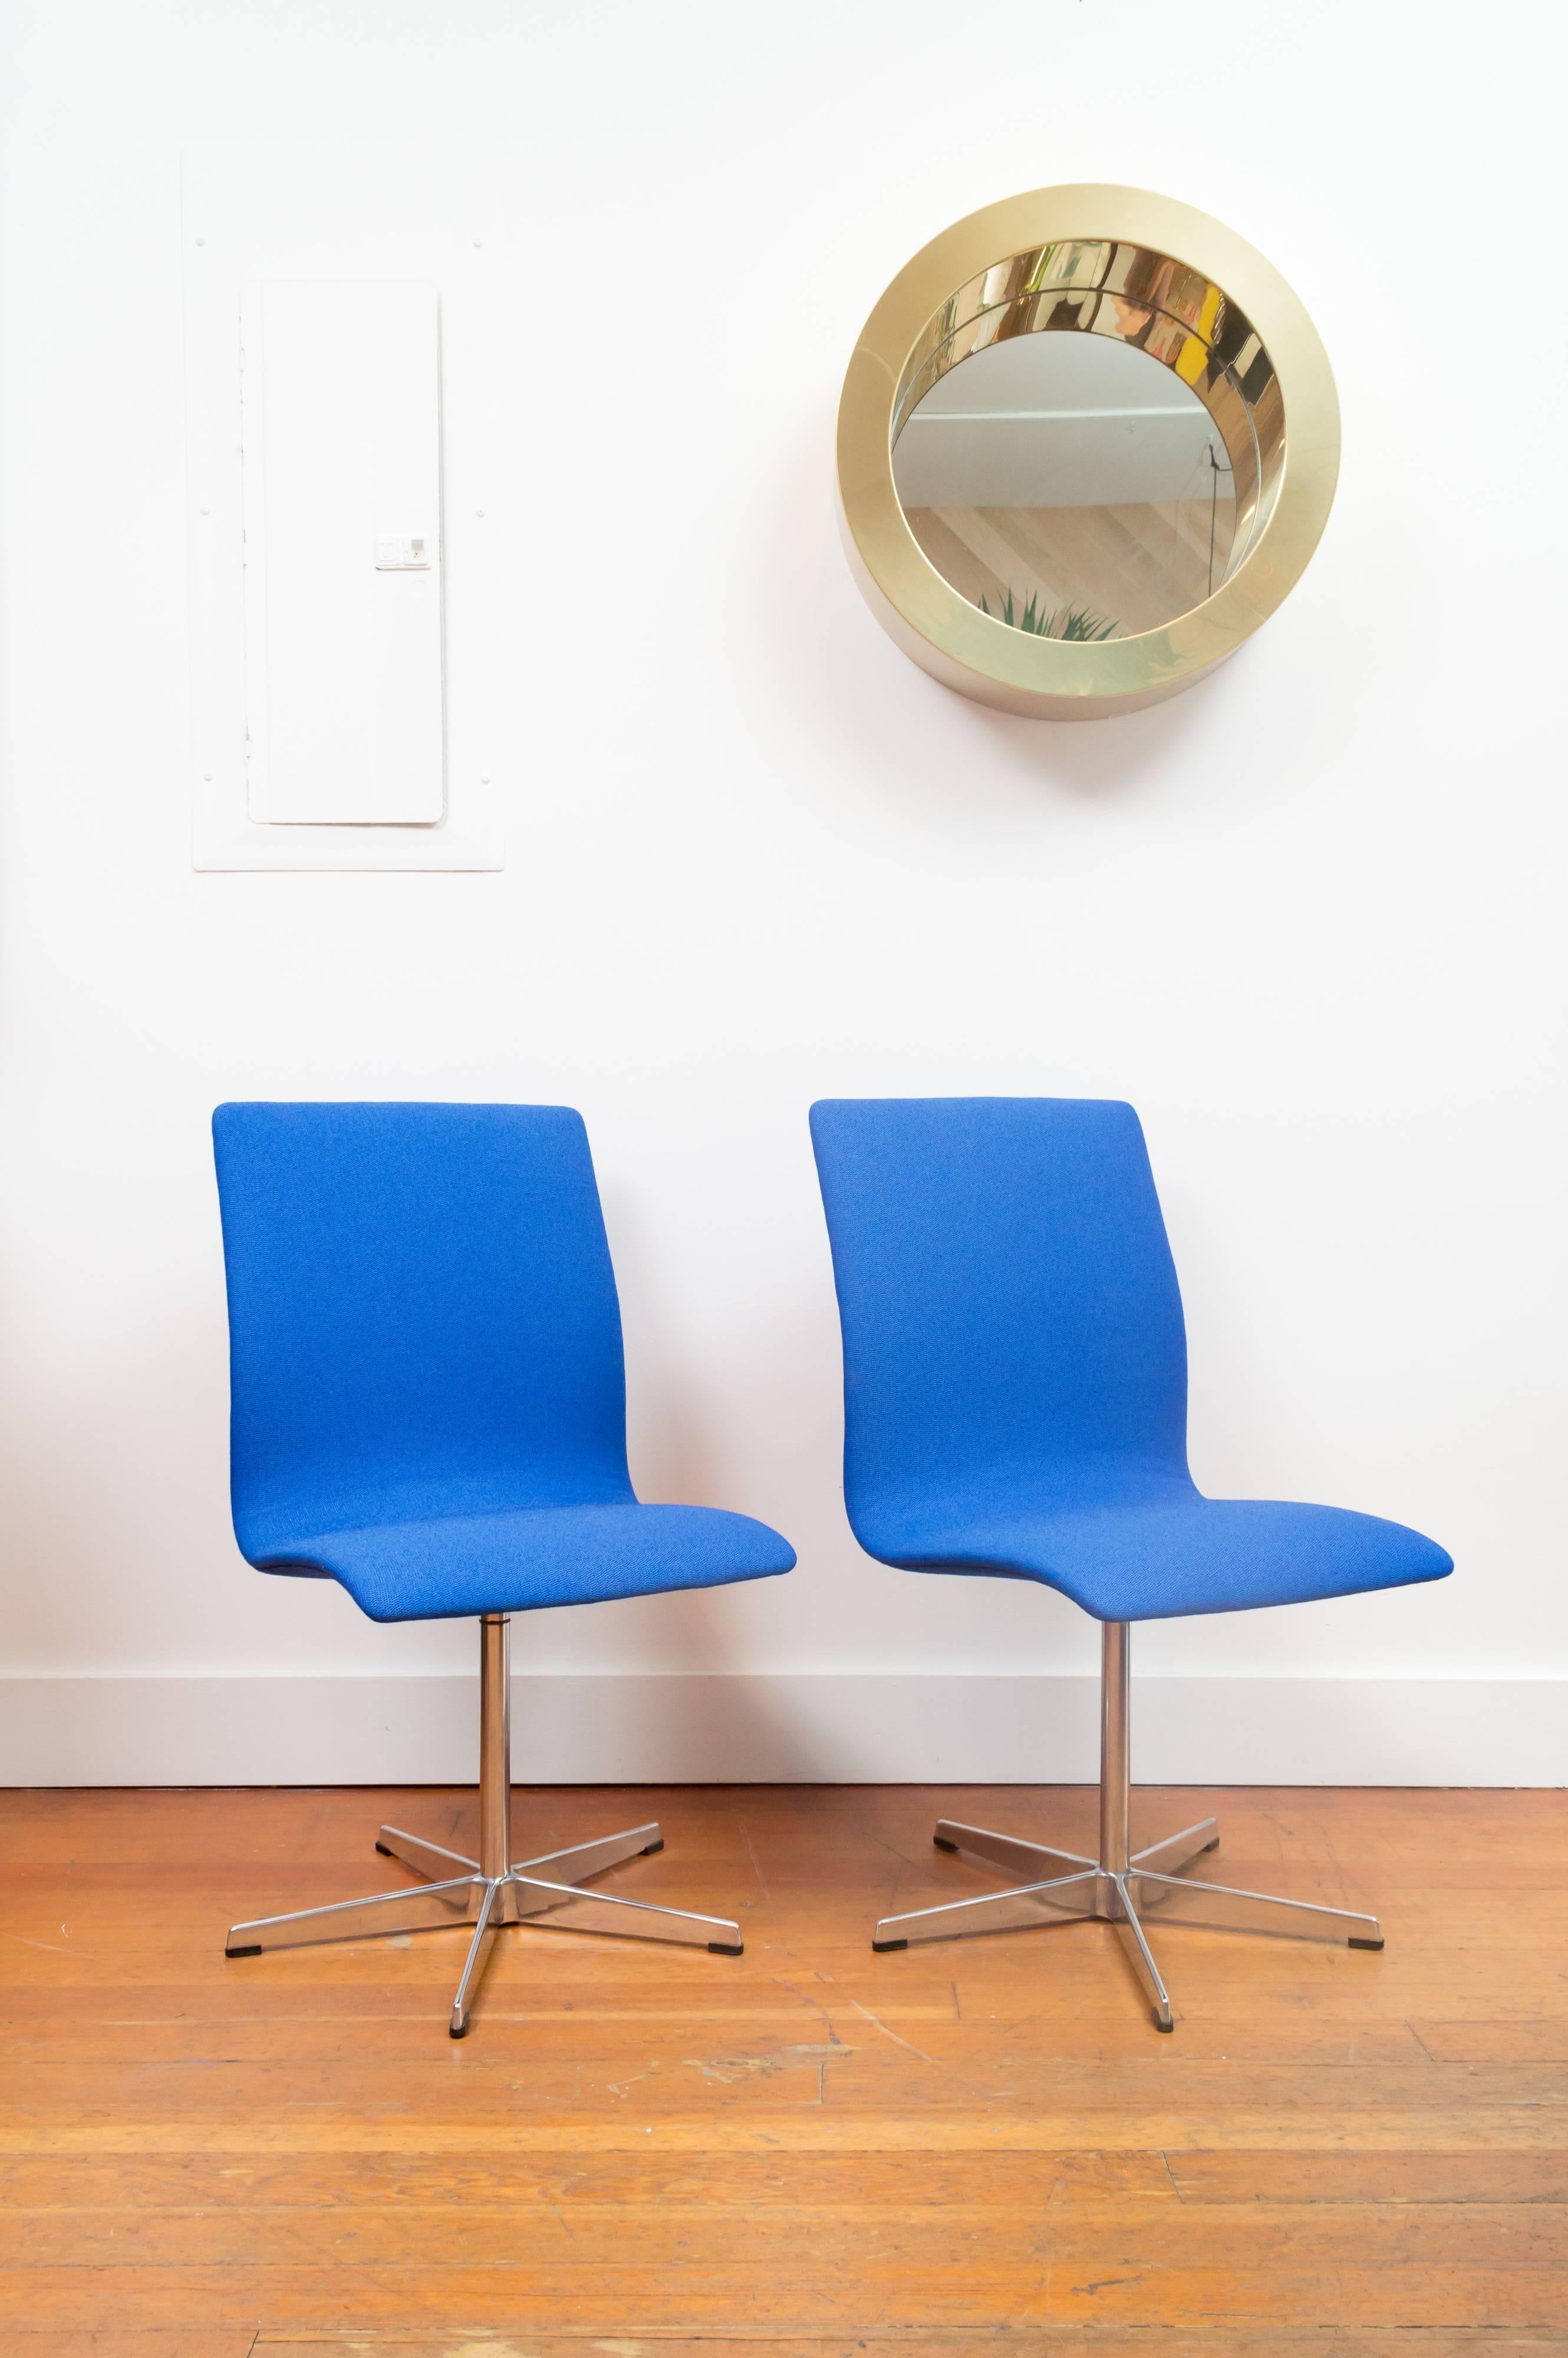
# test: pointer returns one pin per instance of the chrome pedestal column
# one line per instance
(1117, 1888)
(491, 1890)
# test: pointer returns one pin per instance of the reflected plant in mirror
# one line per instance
(1067, 622)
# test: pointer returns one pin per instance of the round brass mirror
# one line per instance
(1087, 444)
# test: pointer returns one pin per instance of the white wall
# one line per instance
(1308, 917)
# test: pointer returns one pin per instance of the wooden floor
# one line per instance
(980, 2145)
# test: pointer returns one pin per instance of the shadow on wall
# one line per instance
(1093, 758)
(671, 1448)
(97, 1443)
(812, 620)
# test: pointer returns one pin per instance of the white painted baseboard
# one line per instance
(811, 1729)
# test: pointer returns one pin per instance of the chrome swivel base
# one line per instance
(491, 1892)
(1116, 1888)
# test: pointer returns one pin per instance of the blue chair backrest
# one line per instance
(422, 1316)
(1013, 1326)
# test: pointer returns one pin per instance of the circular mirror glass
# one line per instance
(1071, 485)
(1076, 444)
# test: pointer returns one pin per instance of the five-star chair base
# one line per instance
(491, 1892)
(1115, 1887)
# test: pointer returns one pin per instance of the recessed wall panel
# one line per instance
(341, 470)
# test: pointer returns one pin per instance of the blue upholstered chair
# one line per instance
(1015, 1402)
(429, 1406)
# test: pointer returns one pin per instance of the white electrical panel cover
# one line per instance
(351, 386)
(341, 454)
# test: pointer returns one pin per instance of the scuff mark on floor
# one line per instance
(729, 2068)
(886, 2033)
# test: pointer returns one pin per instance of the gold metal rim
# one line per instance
(931, 620)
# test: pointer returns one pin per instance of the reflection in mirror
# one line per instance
(1070, 484)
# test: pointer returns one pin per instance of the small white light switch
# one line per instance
(402, 553)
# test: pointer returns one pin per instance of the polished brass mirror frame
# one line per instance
(1097, 260)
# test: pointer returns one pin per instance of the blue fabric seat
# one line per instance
(438, 1566)
(1015, 1370)
(1141, 1559)
(428, 1386)
(428, 1405)
(1015, 1402)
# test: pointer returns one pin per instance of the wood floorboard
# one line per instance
(811, 2149)
(961, 2343)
